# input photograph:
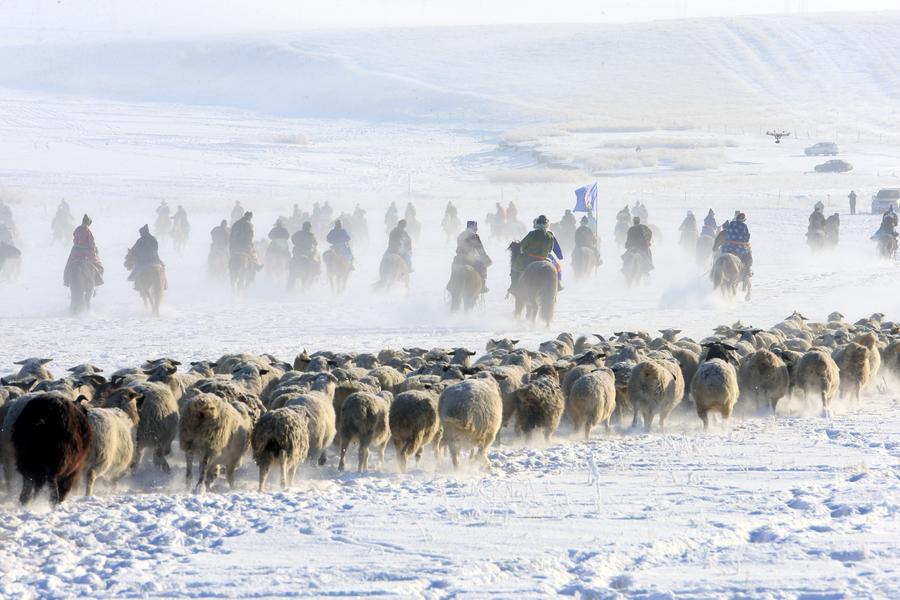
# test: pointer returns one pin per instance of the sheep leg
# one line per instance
(63, 485)
(344, 443)
(323, 458)
(381, 454)
(363, 464)
(159, 459)
(285, 474)
(264, 466)
(401, 456)
(229, 474)
(483, 453)
(705, 418)
(188, 466)
(90, 476)
(291, 472)
(204, 474)
(8, 475)
(648, 421)
(454, 455)
(634, 421)
(29, 487)
(548, 433)
(138, 456)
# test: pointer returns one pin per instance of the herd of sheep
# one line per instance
(55, 430)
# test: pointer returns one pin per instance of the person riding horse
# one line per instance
(84, 250)
(586, 238)
(638, 241)
(305, 243)
(710, 228)
(240, 239)
(735, 239)
(470, 251)
(539, 244)
(339, 240)
(144, 253)
(400, 243)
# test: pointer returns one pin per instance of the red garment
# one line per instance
(84, 249)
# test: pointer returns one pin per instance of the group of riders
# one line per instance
(542, 243)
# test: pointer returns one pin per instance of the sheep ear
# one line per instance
(599, 337)
(617, 333)
(20, 362)
(263, 371)
(472, 353)
(96, 380)
(44, 361)
(175, 363)
(514, 342)
(729, 347)
(82, 400)
(171, 369)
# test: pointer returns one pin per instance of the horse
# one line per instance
(180, 232)
(393, 270)
(337, 268)
(242, 269)
(12, 254)
(278, 259)
(451, 226)
(150, 281)
(816, 239)
(465, 286)
(306, 269)
(635, 266)
(82, 279)
(887, 247)
(584, 261)
(217, 263)
(727, 272)
(704, 248)
(535, 289)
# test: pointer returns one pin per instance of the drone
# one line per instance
(778, 135)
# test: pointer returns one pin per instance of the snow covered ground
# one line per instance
(794, 506)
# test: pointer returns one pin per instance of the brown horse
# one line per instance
(306, 269)
(338, 269)
(584, 261)
(242, 268)
(535, 288)
(393, 270)
(727, 273)
(465, 286)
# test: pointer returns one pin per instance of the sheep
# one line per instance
(388, 377)
(592, 400)
(158, 424)
(31, 371)
(870, 341)
(471, 414)
(540, 403)
(282, 435)
(763, 379)
(321, 423)
(622, 373)
(818, 373)
(586, 363)
(220, 431)
(502, 344)
(51, 439)
(853, 364)
(413, 422)
(714, 388)
(891, 358)
(364, 418)
(113, 429)
(655, 387)
(688, 362)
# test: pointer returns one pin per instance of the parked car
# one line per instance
(884, 200)
(822, 149)
(834, 166)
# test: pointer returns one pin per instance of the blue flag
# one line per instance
(586, 198)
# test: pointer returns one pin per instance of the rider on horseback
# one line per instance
(400, 243)
(240, 240)
(470, 251)
(340, 242)
(586, 238)
(62, 220)
(887, 230)
(390, 217)
(180, 222)
(163, 219)
(539, 244)
(638, 241)
(305, 243)
(709, 224)
(735, 239)
(237, 212)
(83, 250)
(279, 232)
(220, 235)
(144, 253)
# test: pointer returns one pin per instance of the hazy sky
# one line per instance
(36, 19)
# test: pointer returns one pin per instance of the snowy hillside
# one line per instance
(747, 68)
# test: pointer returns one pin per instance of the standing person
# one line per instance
(84, 249)
(852, 197)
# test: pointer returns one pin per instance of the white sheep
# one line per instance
(321, 423)
(471, 414)
(870, 341)
(364, 418)
(655, 387)
(112, 445)
(818, 373)
(159, 422)
(592, 400)
(413, 421)
(763, 379)
(714, 388)
(280, 435)
(219, 431)
(854, 366)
